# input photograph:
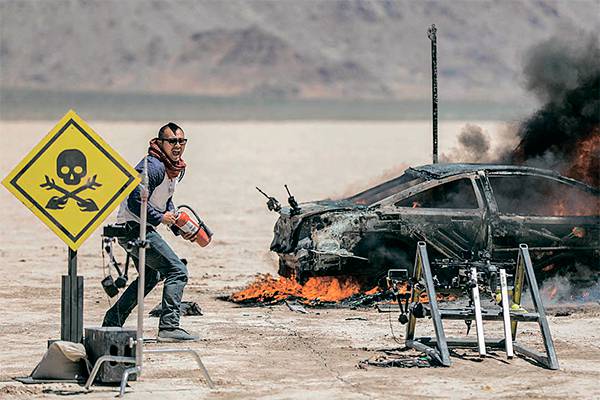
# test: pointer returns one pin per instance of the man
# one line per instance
(165, 169)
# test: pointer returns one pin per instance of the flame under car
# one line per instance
(462, 211)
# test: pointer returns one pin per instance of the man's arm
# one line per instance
(170, 205)
(156, 174)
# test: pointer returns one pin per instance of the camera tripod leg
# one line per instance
(478, 317)
(508, 343)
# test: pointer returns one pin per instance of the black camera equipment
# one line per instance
(110, 234)
(451, 277)
(399, 283)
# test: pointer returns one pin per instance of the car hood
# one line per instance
(285, 232)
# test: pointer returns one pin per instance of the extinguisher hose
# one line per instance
(198, 219)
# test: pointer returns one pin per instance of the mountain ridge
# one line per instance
(308, 50)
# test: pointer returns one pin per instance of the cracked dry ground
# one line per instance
(271, 352)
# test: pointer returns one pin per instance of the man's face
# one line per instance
(173, 150)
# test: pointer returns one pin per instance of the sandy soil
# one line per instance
(267, 352)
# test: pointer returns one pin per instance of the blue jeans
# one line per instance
(161, 261)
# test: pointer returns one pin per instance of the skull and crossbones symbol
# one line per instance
(71, 167)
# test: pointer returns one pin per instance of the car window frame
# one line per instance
(374, 204)
(557, 178)
(429, 184)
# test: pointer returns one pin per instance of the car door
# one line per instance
(548, 213)
(446, 213)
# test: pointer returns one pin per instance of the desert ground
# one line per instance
(262, 352)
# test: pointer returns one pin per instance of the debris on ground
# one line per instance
(397, 361)
(562, 313)
(20, 391)
(294, 306)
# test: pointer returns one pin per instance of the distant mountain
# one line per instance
(308, 49)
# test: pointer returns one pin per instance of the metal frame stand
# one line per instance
(139, 342)
(438, 347)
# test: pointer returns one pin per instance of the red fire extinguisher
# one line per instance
(195, 226)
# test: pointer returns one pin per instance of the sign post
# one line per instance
(71, 302)
(72, 180)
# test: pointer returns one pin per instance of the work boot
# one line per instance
(175, 335)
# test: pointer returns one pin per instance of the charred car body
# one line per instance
(462, 212)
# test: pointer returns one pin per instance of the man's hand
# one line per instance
(168, 218)
(189, 236)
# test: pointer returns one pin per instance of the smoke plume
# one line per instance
(572, 288)
(473, 146)
(362, 185)
(564, 134)
(564, 73)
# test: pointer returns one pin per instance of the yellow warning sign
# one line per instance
(72, 180)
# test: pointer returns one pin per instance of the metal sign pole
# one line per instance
(71, 315)
(431, 33)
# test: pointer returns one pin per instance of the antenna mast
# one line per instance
(431, 33)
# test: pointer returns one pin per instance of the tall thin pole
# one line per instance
(139, 348)
(431, 33)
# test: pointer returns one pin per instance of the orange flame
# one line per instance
(586, 161)
(548, 267)
(423, 297)
(578, 232)
(329, 288)
(553, 292)
(375, 290)
(266, 289)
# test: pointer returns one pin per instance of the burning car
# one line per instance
(462, 212)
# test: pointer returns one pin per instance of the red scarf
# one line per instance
(173, 168)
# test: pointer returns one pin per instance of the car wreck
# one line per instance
(462, 212)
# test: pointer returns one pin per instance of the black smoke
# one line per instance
(564, 73)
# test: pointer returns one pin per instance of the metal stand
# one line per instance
(437, 347)
(139, 342)
(136, 370)
(71, 302)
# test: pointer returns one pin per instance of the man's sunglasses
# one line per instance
(173, 141)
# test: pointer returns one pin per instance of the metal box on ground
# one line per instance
(110, 341)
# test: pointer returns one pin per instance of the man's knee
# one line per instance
(178, 272)
(152, 277)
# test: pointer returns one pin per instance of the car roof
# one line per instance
(437, 171)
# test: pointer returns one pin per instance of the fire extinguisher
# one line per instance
(188, 225)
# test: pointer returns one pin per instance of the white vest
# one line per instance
(158, 200)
